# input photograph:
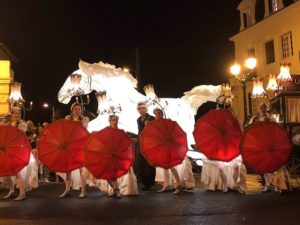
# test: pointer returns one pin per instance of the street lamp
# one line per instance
(46, 106)
(243, 77)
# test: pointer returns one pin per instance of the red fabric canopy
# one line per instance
(109, 153)
(265, 147)
(163, 143)
(61, 145)
(14, 150)
(217, 134)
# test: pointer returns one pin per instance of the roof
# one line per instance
(6, 54)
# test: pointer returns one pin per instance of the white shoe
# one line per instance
(66, 194)
(240, 190)
(21, 198)
(164, 189)
(111, 194)
(266, 189)
(225, 190)
(82, 195)
(118, 193)
(10, 194)
(177, 191)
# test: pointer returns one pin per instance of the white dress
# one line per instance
(185, 174)
(29, 173)
(127, 184)
(235, 174)
(76, 174)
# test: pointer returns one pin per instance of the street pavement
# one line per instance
(42, 207)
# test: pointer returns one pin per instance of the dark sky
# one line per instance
(182, 43)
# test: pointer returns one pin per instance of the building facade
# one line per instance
(6, 77)
(272, 40)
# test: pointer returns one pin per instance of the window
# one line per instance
(246, 19)
(293, 110)
(274, 5)
(270, 54)
(287, 45)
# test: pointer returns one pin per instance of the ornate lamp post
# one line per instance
(46, 106)
(244, 77)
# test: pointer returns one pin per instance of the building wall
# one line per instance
(255, 36)
(5, 80)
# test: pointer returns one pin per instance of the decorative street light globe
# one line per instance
(244, 76)
(250, 63)
(235, 69)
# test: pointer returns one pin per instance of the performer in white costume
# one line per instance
(27, 178)
(77, 178)
(186, 180)
(280, 179)
(218, 175)
(125, 185)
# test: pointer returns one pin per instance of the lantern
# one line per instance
(272, 84)
(258, 89)
(15, 92)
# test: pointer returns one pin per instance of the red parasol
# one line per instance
(14, 150)
(109, 153)
(217, 134)
(163, 143)
(61, 145)
(265, 147)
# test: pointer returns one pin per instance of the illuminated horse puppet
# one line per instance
(122, 96)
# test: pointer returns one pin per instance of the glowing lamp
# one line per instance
(149, 91)
(126, 70)
(258, 89)
(250, 63)
(75, 81)
(272, 84)
(284, 74)
(15, 92)
(102, 102)
(235, 69)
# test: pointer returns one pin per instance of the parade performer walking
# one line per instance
(109, 156)
(27, 177)
(280, 179)
(167, 178)
(78, 177)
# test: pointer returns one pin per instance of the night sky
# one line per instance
(182, 43)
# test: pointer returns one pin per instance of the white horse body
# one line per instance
(120, 89)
